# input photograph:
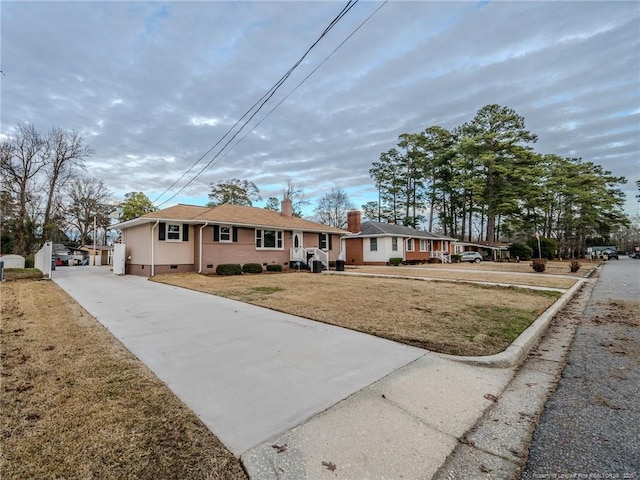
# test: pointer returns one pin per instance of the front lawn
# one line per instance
(459, 319)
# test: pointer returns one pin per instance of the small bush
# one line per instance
(395, 261)
(574, 266)
(229, 269)
(252, 268)
(456, 258)
(29, 261)
(274, 268)
(538, 265)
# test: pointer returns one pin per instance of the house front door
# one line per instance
(297, 240)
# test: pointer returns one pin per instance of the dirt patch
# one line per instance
(458, 319)
(76, 404)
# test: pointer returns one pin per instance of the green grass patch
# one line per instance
(22, 274)
(505, 323)
(267, 290)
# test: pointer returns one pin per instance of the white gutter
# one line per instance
(201, 228)
(153, 266)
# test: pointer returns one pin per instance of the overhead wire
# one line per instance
(261, 102)
(213, 162)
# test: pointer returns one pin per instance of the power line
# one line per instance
(264, 99)
(212, 162)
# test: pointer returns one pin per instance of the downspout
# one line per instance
(201, 229)
(153, 266)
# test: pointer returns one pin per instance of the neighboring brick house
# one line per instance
(187, 238)
(374, 243)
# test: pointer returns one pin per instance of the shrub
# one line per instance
(29, 261)
(395, 261)
(574, 266)
(252, 268)
(229, 269)
(521, 251)
(332, 264)
(456, 258)
(274, 268)
(539, 265)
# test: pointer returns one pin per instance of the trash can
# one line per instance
(339, 265)
(317, 266)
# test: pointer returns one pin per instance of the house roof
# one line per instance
(231, 215)
(261, 217)
(379, 229)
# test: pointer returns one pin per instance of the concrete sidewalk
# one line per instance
(296, 398)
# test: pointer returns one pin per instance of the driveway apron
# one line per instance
(249, 373)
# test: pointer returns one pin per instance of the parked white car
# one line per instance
(470, 257)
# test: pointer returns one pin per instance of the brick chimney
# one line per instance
(286, 208)
(354, 223)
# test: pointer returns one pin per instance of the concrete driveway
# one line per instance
(249, 373)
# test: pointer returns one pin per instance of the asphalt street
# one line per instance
(590, 427)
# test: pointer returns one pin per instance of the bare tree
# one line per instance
(88, 198)
(22, 158)
(67, 155)
(296, 195)
(332, 208)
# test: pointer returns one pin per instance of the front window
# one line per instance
(424, 246)
(394, 244)
(174, 232)
(374, 244)
(225, 234)
(324, 241)
(269, 239)
(410, 245)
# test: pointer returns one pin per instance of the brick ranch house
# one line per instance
(374, 243)
(187, 238)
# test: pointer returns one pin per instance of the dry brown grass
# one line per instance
(459, 319)
(76, 404)
(555, 275)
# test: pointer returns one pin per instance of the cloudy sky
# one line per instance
(152, 86)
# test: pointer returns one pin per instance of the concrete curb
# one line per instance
(521, 346)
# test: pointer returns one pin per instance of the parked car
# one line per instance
(634, 255)
(470, 257)
(611, 254)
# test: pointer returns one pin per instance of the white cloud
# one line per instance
(164, 82)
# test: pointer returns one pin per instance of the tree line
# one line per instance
(483, 181)
(480, 181)
(46, 195)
